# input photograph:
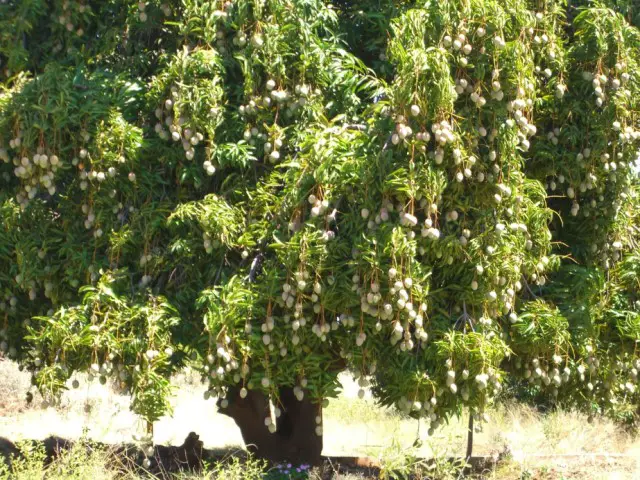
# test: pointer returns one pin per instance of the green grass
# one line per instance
(82, 463)
(78, 463)
(85, 462)
(349, 410)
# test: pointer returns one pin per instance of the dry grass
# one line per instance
(559, 445)
(13, 386)
(353, 427)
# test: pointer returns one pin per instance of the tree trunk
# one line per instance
(470, 437)
(295, 439)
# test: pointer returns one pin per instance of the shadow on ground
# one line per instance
(191, 457)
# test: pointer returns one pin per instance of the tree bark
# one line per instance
(295, 439)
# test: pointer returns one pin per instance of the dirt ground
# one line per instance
(556, 445)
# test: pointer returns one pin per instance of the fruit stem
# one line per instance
(469, 438)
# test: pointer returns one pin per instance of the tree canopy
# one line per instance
(438, 196)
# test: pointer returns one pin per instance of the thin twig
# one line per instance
(215, 281)
(526, 284)
(465, 318)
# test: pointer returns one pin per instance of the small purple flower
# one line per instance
(288, 465)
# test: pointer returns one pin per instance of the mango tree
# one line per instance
(439, 197)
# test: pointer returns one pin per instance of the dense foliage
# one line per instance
(436, 195)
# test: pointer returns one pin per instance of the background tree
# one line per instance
(439, 197)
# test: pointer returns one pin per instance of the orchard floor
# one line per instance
(556, 445)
